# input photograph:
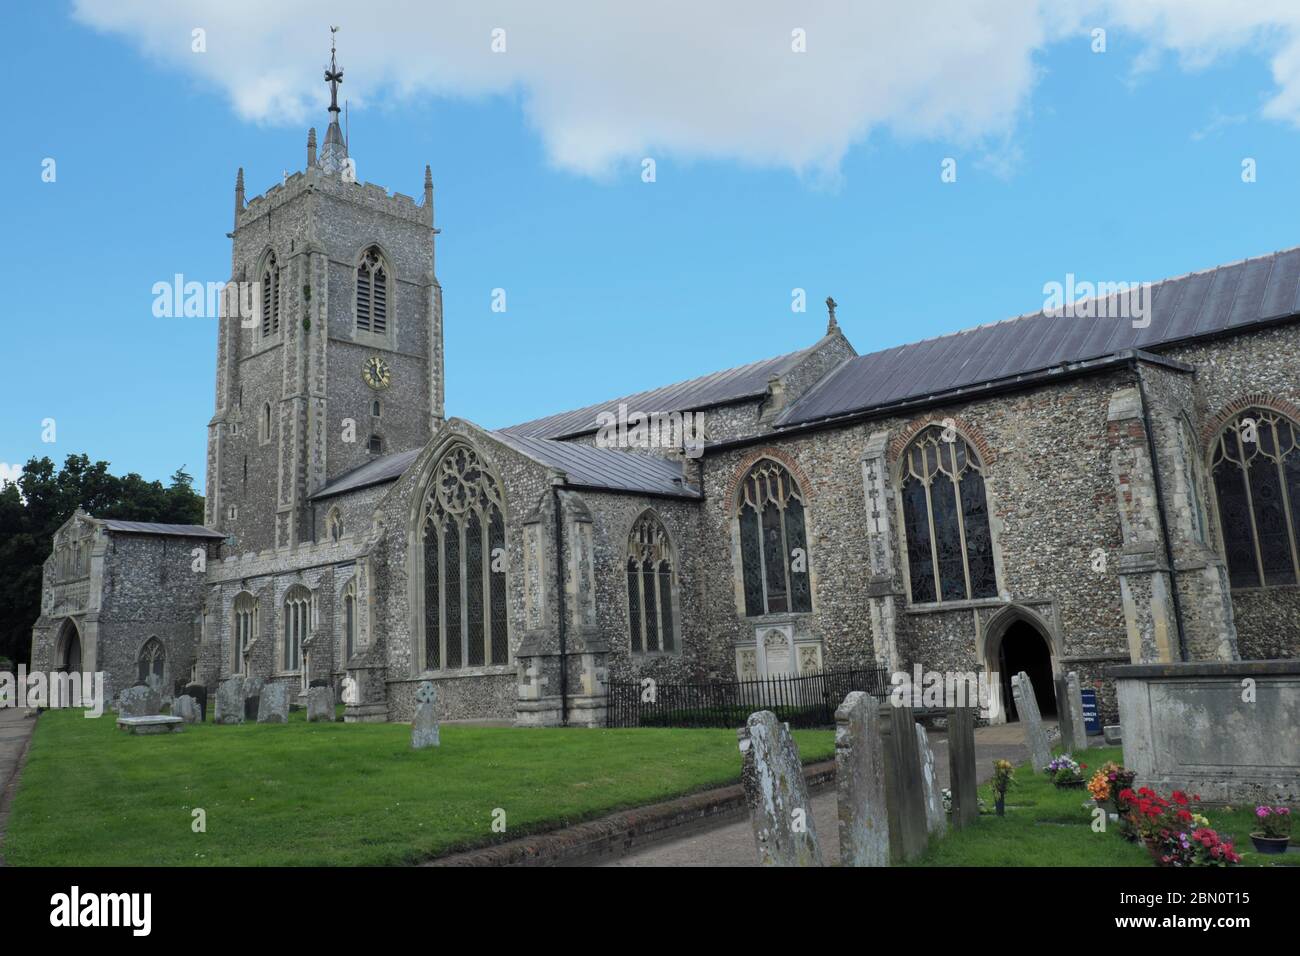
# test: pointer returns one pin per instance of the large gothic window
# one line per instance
(372, 293)
(244, 630)
(152, 660)
(1255, 462)
(946, 519)
(773, 542)
(270, 296)
(651, 580)
(298, 608)
(463, 534)
(349, 620)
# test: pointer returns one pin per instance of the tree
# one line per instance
(42, 500)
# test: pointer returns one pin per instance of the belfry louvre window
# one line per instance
(946, 519)
(650, 579)
(1255, 462)
(372, 293)
(463, 532)
(270, 297)
(773, 542)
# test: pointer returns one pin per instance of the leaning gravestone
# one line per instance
(1075, 694)
(1068, 742)
(273, 704)
(139, 701)
(200, 694)
(252, 693)
(230, 701)
(1035, 733)
(186, 708)
(779, 809)
(961, 767)
(904, 790)
(320, 704)
(860, 783)
(424, 728)
(934, 816)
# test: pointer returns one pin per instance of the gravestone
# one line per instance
(273, 704)
(962, 781)
(320, 704)
(779, 808)
(230, 701)
(1074, 693)
(935, 818)
(200, 694)
(252, 696)
(186, 708)
(251, 707)
(1068, 743)
(424, 728)
(860, 783)
(139, 701)
(904, 790)
(1032, 721)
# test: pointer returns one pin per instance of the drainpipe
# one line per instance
(561, 611)
(1160, 509)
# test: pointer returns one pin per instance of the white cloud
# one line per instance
(605, 82)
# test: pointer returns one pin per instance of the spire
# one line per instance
(239, 194)
(428, 187)
(831, 324)
(335, 151)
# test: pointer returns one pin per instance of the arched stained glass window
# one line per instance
(1255, 462)
(465, 622)
(946, 519)
(651, 576)
(372, 293)
(244, 630)
(152, 660)
(773, 542)
(297, 626)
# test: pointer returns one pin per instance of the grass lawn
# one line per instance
(1045, 826)
(323, 794)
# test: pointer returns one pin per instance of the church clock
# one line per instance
(376, 373)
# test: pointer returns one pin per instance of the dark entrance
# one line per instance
(70, 649)
(1024, 649)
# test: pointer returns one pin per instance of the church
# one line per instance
(1049, 493)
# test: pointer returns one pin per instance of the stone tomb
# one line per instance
(860, 783)
(779, 808)
(139, 701)
(155, 724)
(1040, 755)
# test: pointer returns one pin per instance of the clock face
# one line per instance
(376, 373)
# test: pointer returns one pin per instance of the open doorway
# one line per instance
(67, 653)
(1024, 648)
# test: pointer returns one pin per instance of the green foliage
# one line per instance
(43, 499)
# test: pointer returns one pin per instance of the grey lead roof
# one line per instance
(386, 468)
(153, 527)
(608, 468)
(1224, 299)
(729, 385)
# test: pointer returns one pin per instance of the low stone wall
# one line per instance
(1228, 731)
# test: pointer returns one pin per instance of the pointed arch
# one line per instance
(374, 291)
(243, 630)
(770, 523)
(268, 276)
(151, 661)
(652, 596)
(297, 624)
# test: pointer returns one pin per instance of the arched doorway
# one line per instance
(1023, 648)
(67, 651)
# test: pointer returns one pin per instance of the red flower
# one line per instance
(1180, 798)
(1185, 816)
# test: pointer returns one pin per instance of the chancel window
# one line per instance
(773, 542)
(372, 293)
(463, 533)
(270, 296)
(651, 577)
(244, 630)
(152, 660)
(946, 519)
(1255, 462)
(298, 606)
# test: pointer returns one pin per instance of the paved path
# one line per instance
(15, 730)
(732, 844)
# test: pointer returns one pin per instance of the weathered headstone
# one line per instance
(962, 781)
(1031, 719)
(1074, 693)
(1113, 735)
(273, 704)
(904, 791)
(200, 694)
(186, 708)
(320, 704)
(935, 818)
(1063, 716)
(251, 707)
(860, 783)
(252, 696)
(779, 808)
(424, 728)
(139, 701)
(230, 701)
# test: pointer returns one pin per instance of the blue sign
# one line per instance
(1090, 719)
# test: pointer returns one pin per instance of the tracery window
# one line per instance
(270, 296)
(244, 630)
(298, 621)
(152, 660)
(1255, 462)
(773, 541)
(651, 576)
(372, 293)
(349, 620)
(463, 531)
(946, 519)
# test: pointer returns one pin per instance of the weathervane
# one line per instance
(333, 76)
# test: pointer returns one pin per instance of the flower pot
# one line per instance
(1267, 844)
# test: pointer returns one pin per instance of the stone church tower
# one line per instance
(337, 357)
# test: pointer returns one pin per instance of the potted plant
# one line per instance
(1065, 772)
(1274, 833)
(1099, 788)
(1004, 778)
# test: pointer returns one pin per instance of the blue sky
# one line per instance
(1116, 166)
